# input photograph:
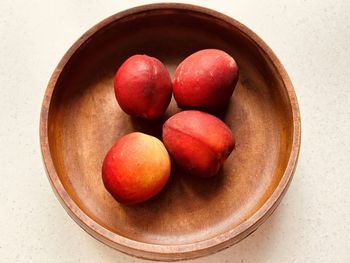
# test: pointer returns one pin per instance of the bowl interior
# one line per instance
(85, 120)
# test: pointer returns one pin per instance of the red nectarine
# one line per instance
(142, 87)
(205, 80)
(136, 168)
(199, 142)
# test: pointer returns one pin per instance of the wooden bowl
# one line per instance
(191, 217)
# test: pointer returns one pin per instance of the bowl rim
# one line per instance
(179, 251)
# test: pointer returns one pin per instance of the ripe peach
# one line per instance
(205, 80)
(199, 142)
(142, 87)
(136, 168)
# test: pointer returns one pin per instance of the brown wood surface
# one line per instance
(191, 217)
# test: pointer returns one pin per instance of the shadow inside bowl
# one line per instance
(150, 127)
(192, 195)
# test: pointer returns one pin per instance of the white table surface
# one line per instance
(311, 38)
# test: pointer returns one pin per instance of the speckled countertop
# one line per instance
(311, 38)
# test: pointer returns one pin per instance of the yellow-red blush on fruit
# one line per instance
(136, 168)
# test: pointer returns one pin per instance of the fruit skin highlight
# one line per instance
(198, 142)
(205, 80)
(136, 168)
(143, 87)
